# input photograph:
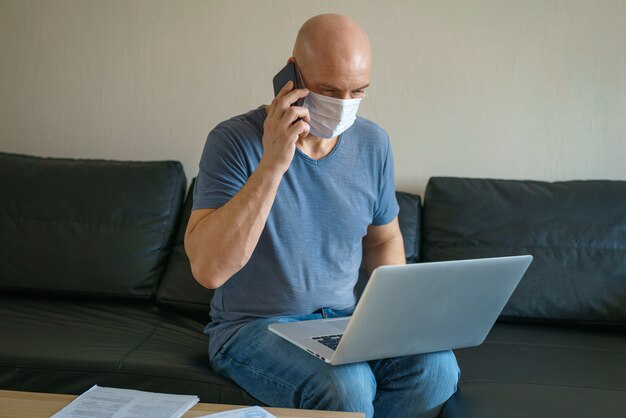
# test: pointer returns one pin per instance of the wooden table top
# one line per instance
(16, 404)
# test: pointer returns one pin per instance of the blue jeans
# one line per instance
(280, 374)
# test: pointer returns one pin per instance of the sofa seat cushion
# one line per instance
(528, 371)
(67, 346)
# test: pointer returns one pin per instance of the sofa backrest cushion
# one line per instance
(180, 291)
(410, 220)
(86, 227)
(575, 230)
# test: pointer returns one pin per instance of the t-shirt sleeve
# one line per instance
(386, 208)
(222, 172)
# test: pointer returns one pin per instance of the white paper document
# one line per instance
(251, 412)
(101, 402)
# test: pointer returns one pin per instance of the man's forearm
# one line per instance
(222, 242)
(387, 253)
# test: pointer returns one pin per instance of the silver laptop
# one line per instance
(414, 309)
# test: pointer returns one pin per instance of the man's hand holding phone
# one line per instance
(282, 128)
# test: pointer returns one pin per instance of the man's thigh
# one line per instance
(416, 386)
(280, 374)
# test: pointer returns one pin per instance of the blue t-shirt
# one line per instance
(309, 253)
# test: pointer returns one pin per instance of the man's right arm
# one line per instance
(219, 242)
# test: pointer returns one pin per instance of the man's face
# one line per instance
(344, 79)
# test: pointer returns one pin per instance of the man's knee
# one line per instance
(350, 388)
(443, 368)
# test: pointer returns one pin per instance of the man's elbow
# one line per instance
(206, 278)
(212, 272)
(212, 265)
(199, 268)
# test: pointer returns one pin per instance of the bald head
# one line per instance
(332, 49)
(331, 37)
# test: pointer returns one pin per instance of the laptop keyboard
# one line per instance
(330, 341)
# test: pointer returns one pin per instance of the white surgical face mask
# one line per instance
(330, 116)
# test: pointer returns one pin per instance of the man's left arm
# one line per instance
(383, 245)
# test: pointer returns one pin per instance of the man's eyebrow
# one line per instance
(331, 87)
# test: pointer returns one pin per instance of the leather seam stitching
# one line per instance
(539, 384)
(132, 350)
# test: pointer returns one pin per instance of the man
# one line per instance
(288, 201)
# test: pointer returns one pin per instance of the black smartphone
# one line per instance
(289, 73)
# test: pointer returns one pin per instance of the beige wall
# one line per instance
(480, 88)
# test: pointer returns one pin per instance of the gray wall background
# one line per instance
(532, 89)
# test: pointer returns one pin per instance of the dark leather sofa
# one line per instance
(95, 286)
